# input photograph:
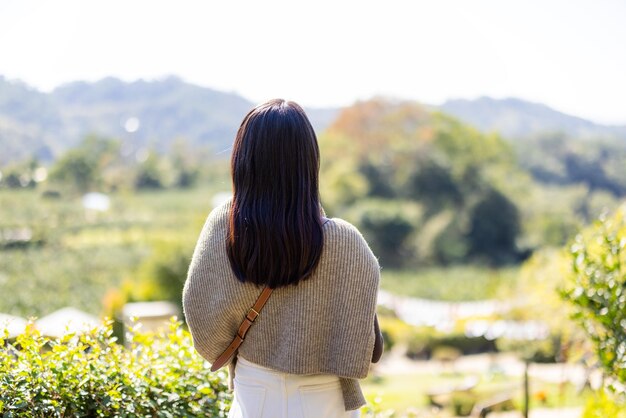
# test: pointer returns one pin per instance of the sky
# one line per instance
(569, 55)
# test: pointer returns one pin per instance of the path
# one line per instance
(541, 413)
(395, 363)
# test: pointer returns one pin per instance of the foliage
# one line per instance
(547, 350)
(161, 276)
(105, 164)
(597, 291)
(458, 283)
(387, 226)
(555, 158)
(83, 168)
(149, 174)
(397, 332)
(83, 254)
(494, 226)
(404, 156)
(534, 296)
(185, 164)
(463, 343)
(462, 403)
(602, 405)
(424, 342)
(432, 181)
(21, 174)
(89, 374)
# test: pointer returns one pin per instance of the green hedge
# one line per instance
(423, 342)
(91, 375)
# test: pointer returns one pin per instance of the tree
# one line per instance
(387, 226)
(149, 174)
(76, 168)
(432, 182)
(84, 166)
(494, 226)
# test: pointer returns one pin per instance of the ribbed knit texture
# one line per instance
(325, 324)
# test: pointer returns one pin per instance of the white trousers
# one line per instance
(260, 392)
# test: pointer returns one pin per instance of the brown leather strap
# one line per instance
(243, 329)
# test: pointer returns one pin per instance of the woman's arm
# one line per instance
(378, 343)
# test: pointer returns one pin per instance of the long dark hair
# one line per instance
(275, 233)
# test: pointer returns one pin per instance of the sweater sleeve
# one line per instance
(359, 269)
(363, 268)
(202, 296)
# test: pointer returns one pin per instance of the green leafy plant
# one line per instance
(462, 403)
(597, 290)
(156, 375)
(601, 405)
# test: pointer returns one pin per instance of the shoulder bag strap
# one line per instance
(243, 329)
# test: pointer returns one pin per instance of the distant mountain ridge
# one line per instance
(47, 124)
(516, 118)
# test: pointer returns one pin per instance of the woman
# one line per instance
(318, 332)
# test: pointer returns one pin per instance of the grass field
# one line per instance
(82, 253)
(76, 255)
(460, 283)
(408, 391)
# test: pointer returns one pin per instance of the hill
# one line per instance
(515, 118)
(141, 112)
(158, 112)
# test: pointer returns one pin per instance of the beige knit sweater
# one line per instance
(325, 324)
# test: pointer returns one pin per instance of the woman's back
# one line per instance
(321, 314)
(321, 325)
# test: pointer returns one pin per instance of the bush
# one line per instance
(535, 351)
(597, 292)
(161, 276)
(421, 342)
(395, 331)
(92, 375)
(164, 272)
(465, 344)
(602, 406)
(463, 403)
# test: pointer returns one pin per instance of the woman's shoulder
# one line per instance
(220, 210)
(346, 254)
(216, 220)
(341, 228)
(341, 235)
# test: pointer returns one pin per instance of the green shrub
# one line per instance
(395, 331)
(163, 273)
(419, 343)
(597, 292)
(602, 406)
(535, 351)
(91, 375)
(463, 403)
(161, 276)
(464, 344)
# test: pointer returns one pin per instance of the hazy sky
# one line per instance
(568, 54)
